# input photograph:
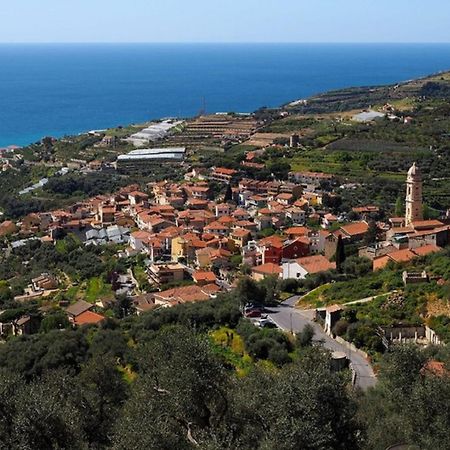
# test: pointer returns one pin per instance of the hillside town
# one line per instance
(199, 236)
(230, 280)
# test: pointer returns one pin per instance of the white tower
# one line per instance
(414, 195)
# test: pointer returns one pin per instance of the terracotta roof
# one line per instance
(204, 276)
(184, 294)
(224, 171)
(88, 317)
(267, 269)
(366, 209)
(284, 196)
(226, 219)
(216, 226)
(315, 263)
(274, 241)
(142, 235)
(402, 255)
(297, 231)
(430, 232)
(355, 228)
(138, 194)
(427, 249)
(240, 232)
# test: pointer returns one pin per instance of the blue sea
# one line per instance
(60, 89)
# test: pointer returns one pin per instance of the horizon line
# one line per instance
(225, 43)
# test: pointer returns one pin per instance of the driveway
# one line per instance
(288, 318)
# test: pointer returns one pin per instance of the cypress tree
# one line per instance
(340, 254)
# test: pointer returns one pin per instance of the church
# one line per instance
(411, 236)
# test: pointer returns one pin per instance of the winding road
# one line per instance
(288, 318)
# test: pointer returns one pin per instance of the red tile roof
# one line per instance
(88, 317)
(267, 269)
(355, 228)
(315, 263)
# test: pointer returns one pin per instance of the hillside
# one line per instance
(401, 95)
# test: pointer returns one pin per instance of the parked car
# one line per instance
(252, 313)
(265, 323)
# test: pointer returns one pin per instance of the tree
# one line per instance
(340, 254)
(372, 233)
(399, 209)
(172, 407)
(270, 411)
(55, 321)
(41, 414)
(228, 194)
(102, 393)
(123, 306)
(305, 337)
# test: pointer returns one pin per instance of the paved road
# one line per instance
(288, 318)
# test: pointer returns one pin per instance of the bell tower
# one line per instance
(413, 195)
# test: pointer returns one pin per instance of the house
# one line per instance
(88, 318)
(271, 249)
(296, 215)
(354, 231)
(266, 270)
(240, 236)
(366, 211)
(403, 256)
(143, 303)
(296, 248)
(439, 236)
(223, 209)
(310, 178)
(166, 273)
(138, 240)
(217, 228)
(106, 214)
(137, 198)
(184, 247)
(151, 222)
(78, 308)
(198, 191)
(222, 175)
(185, 294)
(202, 278)
(44, 282)
(207, 256)
(285, 199)
(26, 325)
(301, 267)
(295, 232)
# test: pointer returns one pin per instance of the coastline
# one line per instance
(172, 80)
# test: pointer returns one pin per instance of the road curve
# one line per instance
(288, 318)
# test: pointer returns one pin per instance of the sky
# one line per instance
(187, 21)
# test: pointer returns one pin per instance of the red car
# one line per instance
(253, 313)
